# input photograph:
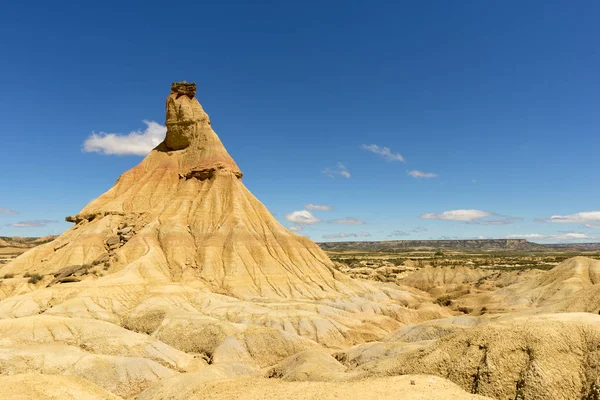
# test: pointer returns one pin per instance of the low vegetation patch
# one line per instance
(35, 278)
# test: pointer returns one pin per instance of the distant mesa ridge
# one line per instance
(482, 244)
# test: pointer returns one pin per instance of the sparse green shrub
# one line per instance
(26, 275)
(35, 278)
(8, 276)
(443, 301)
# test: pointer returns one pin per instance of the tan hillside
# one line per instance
(51, 387)
(550, 356)
(408, 387)
(570, 286)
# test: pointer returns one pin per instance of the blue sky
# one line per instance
(330, 103)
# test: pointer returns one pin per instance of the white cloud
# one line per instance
(347, 235)
(137, 143)
(587, 216)
(527, 236)
(457, 215)
(502, 221)
(419, 229)
(384, 152)
(420, 174)
(347, 221)
(575, 236)
(32, 224)
(566, 236)
(7, 211)
(295, 228)
(590, 226)
(302, 217)
(340, 170)
(317, 207)
(471, 217)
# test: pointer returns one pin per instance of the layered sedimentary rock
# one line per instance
(184, 214)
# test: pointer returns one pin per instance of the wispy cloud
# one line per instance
(398, 233)
(32, 224)
(295, 228)
(384, 152)
(586, 216)
(317, 207)
(302, 217)
(135, 143)
(347, 221)
(457, 215)
(501, 221)
(340, 170)
(526, 236)
(590, 226)
(562, 237)
(420, 174)
(347, 235)
(472, 217)
(7, 211)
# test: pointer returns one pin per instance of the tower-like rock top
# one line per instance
(189, 130)
(183, 88)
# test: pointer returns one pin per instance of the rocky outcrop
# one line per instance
(552, 356)
(184, 214)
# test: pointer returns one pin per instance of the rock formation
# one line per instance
(184, 214)
(549, 356)
(177, 283)
(179, 265)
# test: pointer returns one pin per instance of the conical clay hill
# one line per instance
(184, 213)
(177, 276)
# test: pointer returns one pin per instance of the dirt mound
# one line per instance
(408, 387)
(51, 387)
(550, 356)
(429, 278)
(570, 286)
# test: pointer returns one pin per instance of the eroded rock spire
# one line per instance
(189, 129)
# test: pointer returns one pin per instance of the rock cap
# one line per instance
(183, 88)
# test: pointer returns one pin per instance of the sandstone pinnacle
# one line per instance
(183, 213)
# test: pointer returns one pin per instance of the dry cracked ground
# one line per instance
(179, 284)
